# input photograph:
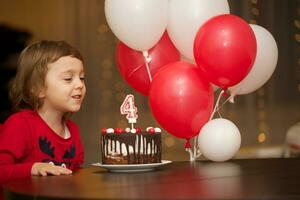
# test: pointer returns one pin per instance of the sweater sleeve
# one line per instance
(14, 146)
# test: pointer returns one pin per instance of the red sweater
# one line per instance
(25, 138)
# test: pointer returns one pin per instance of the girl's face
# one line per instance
(64, 88)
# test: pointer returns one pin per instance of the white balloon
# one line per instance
(137, 23)
(187, 16)
(292, 141)
(293, 135)
(264, 64)
(219, 140)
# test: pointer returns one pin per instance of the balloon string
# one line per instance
(230, 98)
(189, 150)
(147, 61)
(197, 152)
(194, 155)
(216, 105)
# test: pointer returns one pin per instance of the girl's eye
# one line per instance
(68, 79)
(82, 78)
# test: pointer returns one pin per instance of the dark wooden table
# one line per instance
(237, 179)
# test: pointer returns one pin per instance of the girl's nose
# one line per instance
(79, 83)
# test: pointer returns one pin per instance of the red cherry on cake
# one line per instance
(118, 130)
(138, 130)
(104, 131)
(150, 130)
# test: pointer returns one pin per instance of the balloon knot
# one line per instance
(147, 56)
(187, 144)
(225, 92)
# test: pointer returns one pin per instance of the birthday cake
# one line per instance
(131, 146)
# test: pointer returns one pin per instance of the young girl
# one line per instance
(39, 139)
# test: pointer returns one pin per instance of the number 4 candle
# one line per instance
(129, 109)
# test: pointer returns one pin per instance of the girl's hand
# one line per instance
(44, 169)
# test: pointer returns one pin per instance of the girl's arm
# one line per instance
(15, 145)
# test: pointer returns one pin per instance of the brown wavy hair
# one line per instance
(32, 68)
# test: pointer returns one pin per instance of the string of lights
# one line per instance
(263, 128)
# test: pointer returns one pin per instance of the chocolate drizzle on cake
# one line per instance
(131, 148)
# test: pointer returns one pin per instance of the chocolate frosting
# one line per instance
(143, 140)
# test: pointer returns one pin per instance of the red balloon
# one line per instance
(131, 63)
(180, 99)
(225, 49)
